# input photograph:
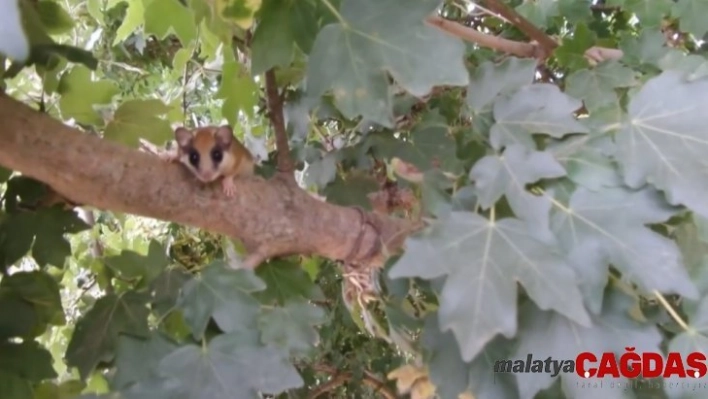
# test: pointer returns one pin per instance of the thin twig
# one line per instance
(340, 378)
(520, 49)
(597, 54)
(594, 55)
(328, 386)
(671, 310)
(603, 7)
(275, 112)
(546, 42)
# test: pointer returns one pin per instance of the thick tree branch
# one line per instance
(275, 111)
(272, 218)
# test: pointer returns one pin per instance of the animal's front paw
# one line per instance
(167, 156)
(228, 186)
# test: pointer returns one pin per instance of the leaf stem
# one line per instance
(671, 310)
(336, 13)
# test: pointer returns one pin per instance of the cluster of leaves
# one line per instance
(565, 203)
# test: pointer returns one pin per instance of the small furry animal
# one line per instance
(211, 152)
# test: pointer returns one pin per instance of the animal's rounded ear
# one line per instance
(183, 136)
(224, 135)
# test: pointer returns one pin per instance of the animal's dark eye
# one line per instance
(217, 155)
(194, 158)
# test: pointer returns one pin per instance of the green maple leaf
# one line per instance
(508, 174)
(571, 53)
(290, 327)
(43, 232)
(132, 265)
(4, 174)
(134, 17)
(221, 293)
(538, 12)
(286, 281)
(54, 17)
(695, 339)
(137, 358)
(609, 227)
(97, 332)
(691, 15)
(163, 17)
(544, 334)
(239, 91)
(27, 360)
(233, 365)
(588, 162)
(533, 109)
(663, 140)
(18, 318)
(433, 146)
(53, 390)
(596, 86)
(649, 12)
(648, 48)
(693, 65)
(282, 26)
(373, 37)
(39, 290)
(166, 287)
(483, 261)
(575, 11)
(322, 171)
(489, 80)
(136, 119)
(273, 42)
(352, 191)
(79, 93)
(13, 386)
(453, 376)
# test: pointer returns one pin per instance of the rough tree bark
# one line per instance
(271, 217)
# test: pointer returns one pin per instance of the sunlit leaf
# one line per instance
(239, 91)
(134, 17)
(163, 17)
(54, 18)
(571, 53)
(136, 119)
(80, 91)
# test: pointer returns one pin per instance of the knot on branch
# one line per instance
(368, 240)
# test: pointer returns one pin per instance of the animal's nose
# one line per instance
(206, 176)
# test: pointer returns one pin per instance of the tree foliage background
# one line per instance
(555, 151)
